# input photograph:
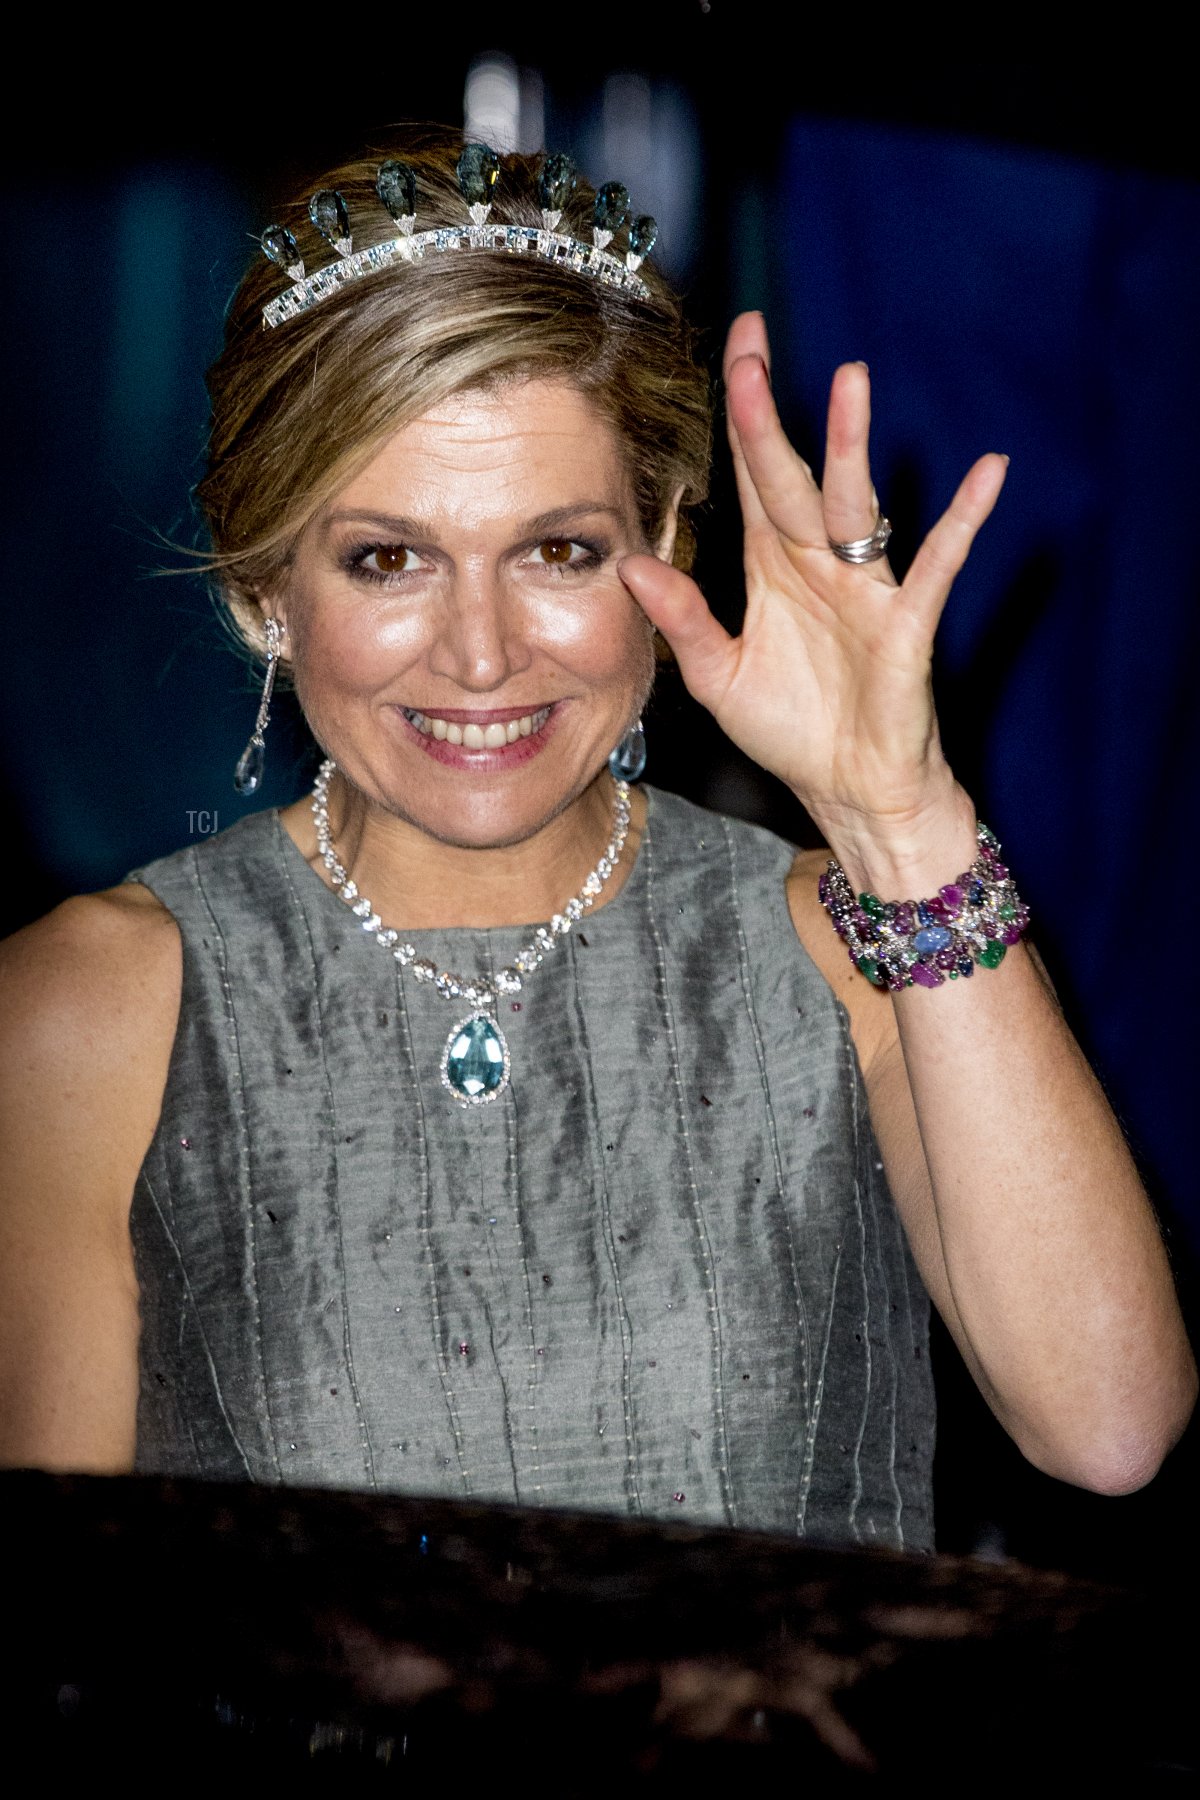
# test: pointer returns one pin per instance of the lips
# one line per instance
(478, 730)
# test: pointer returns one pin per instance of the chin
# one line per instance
(478, 820)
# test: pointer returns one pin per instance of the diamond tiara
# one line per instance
(477, 171)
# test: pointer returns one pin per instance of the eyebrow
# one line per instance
(405, 528)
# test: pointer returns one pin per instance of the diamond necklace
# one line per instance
(476, 1063)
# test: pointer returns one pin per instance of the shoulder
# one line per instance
(91, 937)
(90, 992)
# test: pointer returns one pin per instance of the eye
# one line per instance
(389, 559)
(564, 553)
(557, 550)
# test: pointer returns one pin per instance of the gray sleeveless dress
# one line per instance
(661, 1274)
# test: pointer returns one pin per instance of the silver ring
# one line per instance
(865, 550)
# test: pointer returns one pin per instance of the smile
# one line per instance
(473, 736)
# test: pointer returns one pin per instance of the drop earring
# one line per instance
(629, 758)
(247, 776)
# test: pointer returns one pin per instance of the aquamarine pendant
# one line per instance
(476, 1062)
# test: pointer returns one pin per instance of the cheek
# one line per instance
(355, 647)
(599, 632)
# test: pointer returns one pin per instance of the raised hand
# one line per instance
(828, 685)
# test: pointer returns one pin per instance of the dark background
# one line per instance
(1011, 245)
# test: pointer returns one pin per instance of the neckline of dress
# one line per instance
(452, 933)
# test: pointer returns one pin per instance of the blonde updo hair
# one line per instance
(298, 410)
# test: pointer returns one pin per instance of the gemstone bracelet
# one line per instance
(902, 943)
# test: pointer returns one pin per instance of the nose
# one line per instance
(481, 637)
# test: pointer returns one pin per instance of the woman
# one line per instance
(645, 1217)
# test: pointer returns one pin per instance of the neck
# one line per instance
(418, 882)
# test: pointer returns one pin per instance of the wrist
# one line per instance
(904, 855)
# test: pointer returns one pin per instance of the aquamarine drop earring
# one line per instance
(247, 776)
(629, 758)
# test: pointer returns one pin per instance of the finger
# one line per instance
(753, 511)
(848, 493)
(947, 546)
(747, 337)
(704, 650)
(782, 480)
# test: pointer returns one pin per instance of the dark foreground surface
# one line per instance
(157, 1630)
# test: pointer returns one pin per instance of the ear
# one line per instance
(664, 549)
(273, 606)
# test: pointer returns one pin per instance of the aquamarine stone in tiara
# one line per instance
(279, 244)
(610, 212)
(643, 235)
(478, 170)
(327, 210)
(396, 186)
(556, 184)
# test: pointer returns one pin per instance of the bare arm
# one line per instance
(1022, 1204)
(1030, 1226)
(89, 999)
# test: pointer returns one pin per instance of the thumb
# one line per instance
(672, 602)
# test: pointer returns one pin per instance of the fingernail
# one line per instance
(1005, 459)
(864, 366)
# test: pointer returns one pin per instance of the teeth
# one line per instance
(478, 737)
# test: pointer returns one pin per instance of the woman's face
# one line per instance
(461, 641)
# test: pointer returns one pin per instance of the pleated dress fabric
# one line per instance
(660, 1275)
